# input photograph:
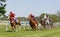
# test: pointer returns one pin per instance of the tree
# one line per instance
(54, 17)
(2, 7)
(58, 13)
(3, 0)
(42, 15)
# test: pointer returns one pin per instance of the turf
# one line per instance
(55, 32)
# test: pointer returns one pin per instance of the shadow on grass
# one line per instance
(28, 30)
(9, 31)
(33, 30)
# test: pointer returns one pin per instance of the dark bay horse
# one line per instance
(42, 22)
(14, 23)
(46, 24)
(33, 23)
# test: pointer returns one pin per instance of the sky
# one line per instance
(22, 8)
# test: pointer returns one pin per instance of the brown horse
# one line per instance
(17, 24)
(33, 23)
(42, 22)
(13, 22)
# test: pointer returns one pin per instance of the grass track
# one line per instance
(55, 32)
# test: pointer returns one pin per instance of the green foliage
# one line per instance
(2, 7)
(54, 17)
(3, 0)
(2, 10)
(42, 15)
(58, 13)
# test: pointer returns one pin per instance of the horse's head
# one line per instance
(40, 19)
(8, 17)
(29, 17)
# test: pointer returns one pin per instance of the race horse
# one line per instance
(15, 23)
(42, 22)
(48, 23)
(33, 23)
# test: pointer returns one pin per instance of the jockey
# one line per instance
(46, 17)
(33, 19)
(32, 16)
(12, 15)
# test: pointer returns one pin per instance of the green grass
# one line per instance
(55, 32)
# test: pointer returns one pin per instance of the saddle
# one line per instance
(16, 20)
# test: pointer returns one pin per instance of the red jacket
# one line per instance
(12, 15)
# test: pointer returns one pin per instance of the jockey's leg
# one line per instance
(12, 26)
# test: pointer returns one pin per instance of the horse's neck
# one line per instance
(8, 17)
(47, 19)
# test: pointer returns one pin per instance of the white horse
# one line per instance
(48, 23)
